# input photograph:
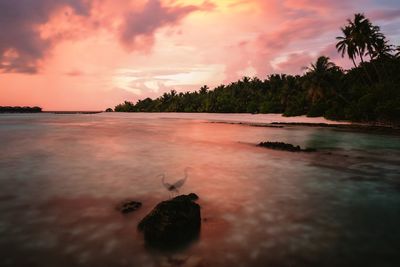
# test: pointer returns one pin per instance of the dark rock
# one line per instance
(280, 146)
(285, 147)
(193, 196)
(172, 223)
(129, 206)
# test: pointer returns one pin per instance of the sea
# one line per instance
(62, 177)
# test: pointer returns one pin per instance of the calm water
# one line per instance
(61, 177)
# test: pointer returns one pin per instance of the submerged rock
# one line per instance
(172, 223)
(129, 206)
(285, 147)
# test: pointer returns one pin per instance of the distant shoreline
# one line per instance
(20, 109)
(37, 109)
(72, 112)
(51, 112)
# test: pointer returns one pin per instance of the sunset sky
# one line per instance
(94, 54)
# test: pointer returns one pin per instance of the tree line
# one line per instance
(370, 91)
(17, 109)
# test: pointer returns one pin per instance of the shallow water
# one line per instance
(61, 177)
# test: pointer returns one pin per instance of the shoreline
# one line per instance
(55, 112)
(72, 112)
(353, 127)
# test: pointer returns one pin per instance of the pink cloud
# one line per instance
(32, 28)
(139, 26)
(295, 63)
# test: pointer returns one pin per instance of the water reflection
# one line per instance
(62, 175)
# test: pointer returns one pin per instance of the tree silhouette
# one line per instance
(361, 33)
(319, 78)
(18, 109)
(361, 38)
(346, 44)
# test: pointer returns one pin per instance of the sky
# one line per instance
(95, 54)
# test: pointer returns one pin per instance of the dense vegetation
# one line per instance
(368, 92)
(20, 109)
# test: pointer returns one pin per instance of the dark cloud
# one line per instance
(139, 27)
(21, 46)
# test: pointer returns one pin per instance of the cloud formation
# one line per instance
(139, 26)
(28, 32)
(21, 45)
(84, 50)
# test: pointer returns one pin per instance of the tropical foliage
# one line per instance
(368, 92)
(20, 109)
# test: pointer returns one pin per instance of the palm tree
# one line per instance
(346, 44)
(246, 79)
(322, 65)
(381, 49)
(361, 32)
(377, 44)
(318, 79)
(360, 38)
(203, 90)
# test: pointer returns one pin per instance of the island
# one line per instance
(368, 92)
(18, 109)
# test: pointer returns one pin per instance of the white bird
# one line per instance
(178, 184)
